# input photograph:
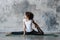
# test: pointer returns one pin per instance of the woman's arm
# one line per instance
(37, 26)
(24, 28)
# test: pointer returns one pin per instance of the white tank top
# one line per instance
(28, 25)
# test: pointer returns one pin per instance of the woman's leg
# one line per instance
(37, 33)
(41, 33)
(27, 33)
(17, 33)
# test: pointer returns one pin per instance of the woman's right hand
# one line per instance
(24, 34)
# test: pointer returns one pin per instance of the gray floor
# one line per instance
(29, 37)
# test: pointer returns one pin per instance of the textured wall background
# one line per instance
(47, 14)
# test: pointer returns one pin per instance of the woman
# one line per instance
(27, 26)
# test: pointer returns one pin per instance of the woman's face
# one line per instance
(25, 17)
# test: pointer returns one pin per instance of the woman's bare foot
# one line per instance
(8, 33)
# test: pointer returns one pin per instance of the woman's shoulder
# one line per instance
(24, 20)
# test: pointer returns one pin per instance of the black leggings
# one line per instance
(28, 33)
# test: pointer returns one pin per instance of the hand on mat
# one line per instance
(23, 34)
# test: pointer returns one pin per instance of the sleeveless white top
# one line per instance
(28, 25)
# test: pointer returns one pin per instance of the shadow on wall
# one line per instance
(52, 3)
(58, 9)
(50, 20)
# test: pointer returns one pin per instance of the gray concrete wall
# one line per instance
(47, 14)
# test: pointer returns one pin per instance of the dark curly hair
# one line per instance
(30, 15)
